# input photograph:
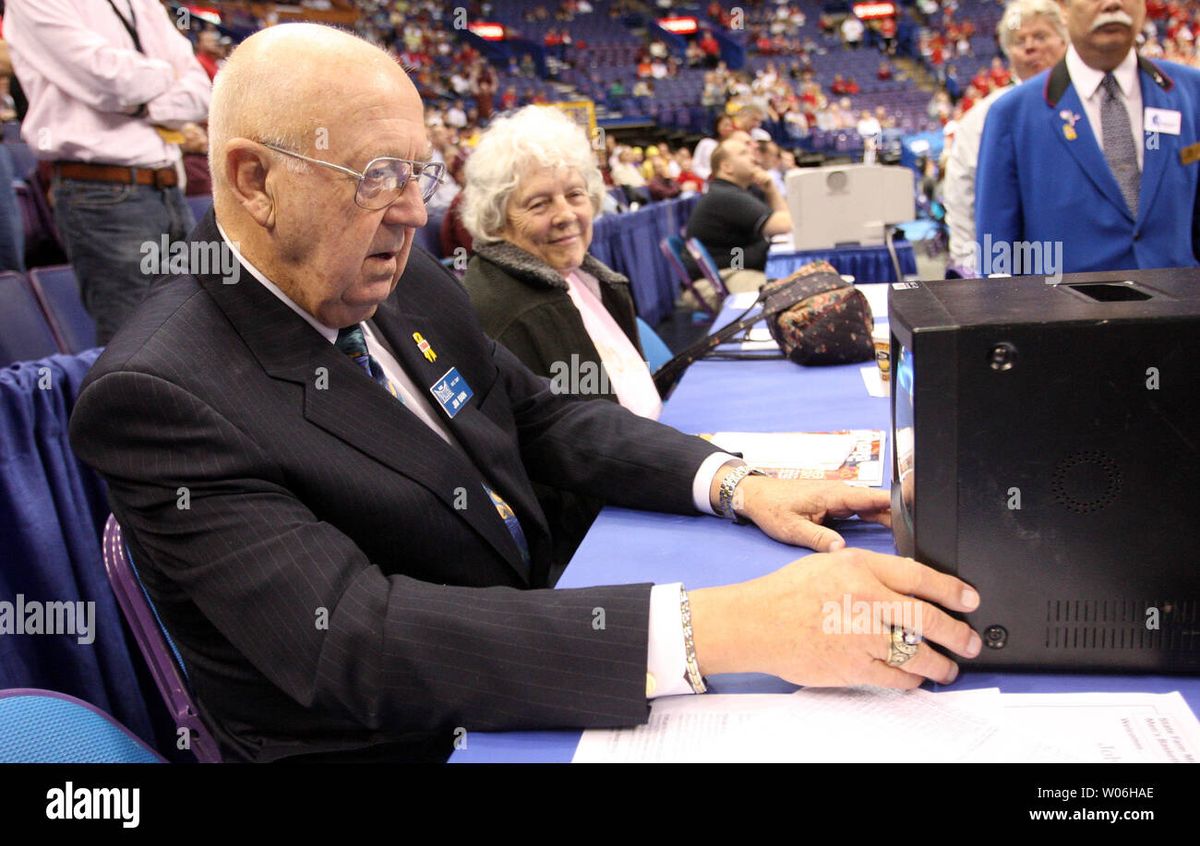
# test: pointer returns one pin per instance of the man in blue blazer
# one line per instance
(1092, 165)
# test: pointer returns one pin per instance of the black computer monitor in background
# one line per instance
(1047, 451)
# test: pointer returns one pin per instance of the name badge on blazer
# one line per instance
(1166, 121)
(452, 392)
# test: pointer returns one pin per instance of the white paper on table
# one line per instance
(1110, 727)
(867, 725)
(873, 379)
(817, 450)
(853, 456)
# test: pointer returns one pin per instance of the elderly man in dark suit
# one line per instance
(324, 468)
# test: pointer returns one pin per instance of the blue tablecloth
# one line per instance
(632, 546)
(865, 264)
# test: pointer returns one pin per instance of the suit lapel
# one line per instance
(482, 440)
(342, 400)
(1085, 147)
(1161, 149)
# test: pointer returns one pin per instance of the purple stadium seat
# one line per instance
(164, 660)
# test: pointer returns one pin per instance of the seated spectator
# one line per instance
(705, 147)
(852, 32)
(884, 73)
(456, 115)
(532, 191)
(887, 33)
(627, 175)
(711, 49)
(732, 223)
(689, 181)
(661, 185)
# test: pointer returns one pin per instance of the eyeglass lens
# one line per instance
(384, 181)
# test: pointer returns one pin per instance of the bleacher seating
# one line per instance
(58, 293)
(25, 331)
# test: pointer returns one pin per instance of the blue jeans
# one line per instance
(104, 225)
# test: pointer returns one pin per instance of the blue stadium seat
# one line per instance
(44, 727)
(25, 334)
(58, 291)
(657, 352)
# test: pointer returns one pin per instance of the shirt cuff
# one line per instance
(666, 661)
(702, 482)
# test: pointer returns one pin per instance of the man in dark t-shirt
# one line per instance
(732, 223)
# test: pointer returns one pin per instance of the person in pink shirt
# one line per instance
(111, 84)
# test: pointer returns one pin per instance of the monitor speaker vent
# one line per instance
(1086, 481)
(1123, 624)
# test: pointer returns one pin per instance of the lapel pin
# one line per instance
(1070, 118)
(424, 347)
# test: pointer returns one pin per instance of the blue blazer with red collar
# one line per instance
(1038, 181)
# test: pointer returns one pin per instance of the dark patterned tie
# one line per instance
(353, 343)
(1119, 149)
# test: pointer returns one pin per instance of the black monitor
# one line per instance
(1047, 451)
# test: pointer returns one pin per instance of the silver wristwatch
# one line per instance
(728, 485)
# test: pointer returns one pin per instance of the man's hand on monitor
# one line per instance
(792, 510)
(827, 621)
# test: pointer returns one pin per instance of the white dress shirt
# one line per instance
(958, 189)
(666, 660)
(1087, 82)
(84, 79)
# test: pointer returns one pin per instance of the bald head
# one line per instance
(302, 91)
(296, 86)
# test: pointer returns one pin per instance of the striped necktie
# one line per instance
(353, 343)
(1119, 149)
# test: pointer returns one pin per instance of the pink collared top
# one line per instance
(628, 374)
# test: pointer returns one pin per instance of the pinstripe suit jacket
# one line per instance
(304, 537)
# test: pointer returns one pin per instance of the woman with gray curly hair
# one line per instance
(533, 188)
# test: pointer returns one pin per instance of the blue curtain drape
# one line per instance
(52, 509)
(865, 264)
(629, 244)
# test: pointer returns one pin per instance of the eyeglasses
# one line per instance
(384, 179)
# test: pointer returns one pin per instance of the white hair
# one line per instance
(533, 136)
(1018, 11)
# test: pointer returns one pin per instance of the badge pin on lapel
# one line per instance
(1070, 119)
(424, 347)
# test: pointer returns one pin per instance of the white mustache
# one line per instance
(1112, 17)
